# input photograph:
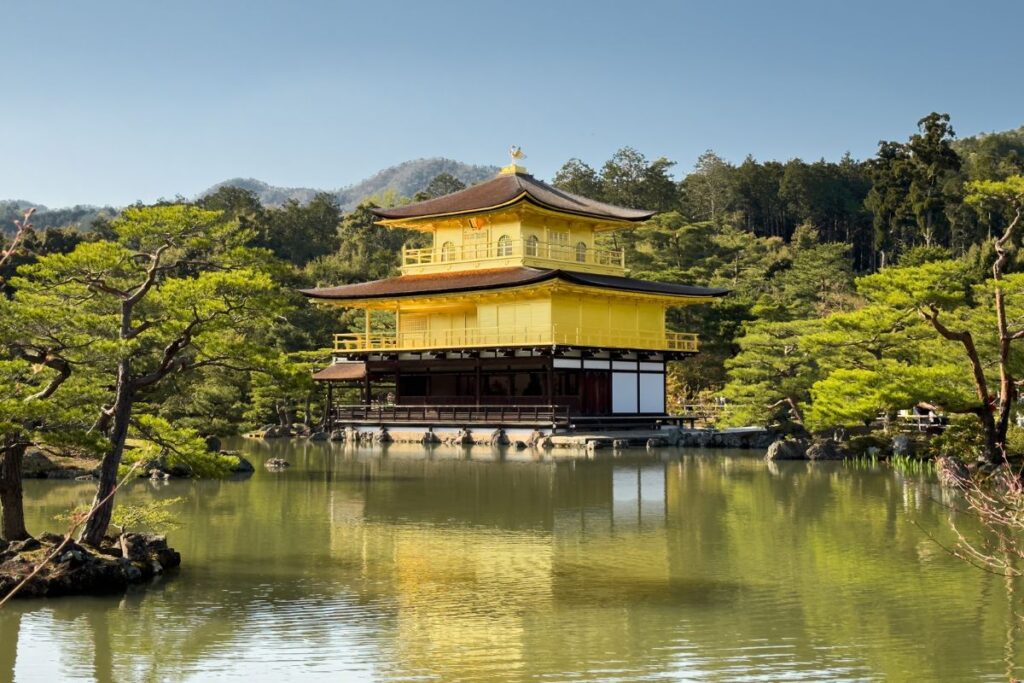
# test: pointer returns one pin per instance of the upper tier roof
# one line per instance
(497, 278)
(507, 188)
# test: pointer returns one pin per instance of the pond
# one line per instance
(458, 565)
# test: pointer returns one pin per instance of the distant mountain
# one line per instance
(408, 178)
(405, 180)
(269, 195)
(80, 216)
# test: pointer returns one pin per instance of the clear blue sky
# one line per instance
(111, 102)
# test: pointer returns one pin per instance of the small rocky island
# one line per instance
(80, 569)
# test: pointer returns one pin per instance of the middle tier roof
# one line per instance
(411, 286)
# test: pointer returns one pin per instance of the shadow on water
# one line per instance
(448, 564)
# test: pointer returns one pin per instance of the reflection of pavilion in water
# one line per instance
(483, 560)
(558, 497)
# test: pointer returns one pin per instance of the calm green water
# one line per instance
(404, 566)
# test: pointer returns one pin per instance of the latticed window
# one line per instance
(531, 245)
(504, 246)
(581, 252)
(448, 251)
(414, 322)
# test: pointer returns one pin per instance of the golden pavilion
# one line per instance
(514, 316)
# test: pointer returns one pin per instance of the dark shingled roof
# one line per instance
(340, 372)
(498, 278)
(506, 188)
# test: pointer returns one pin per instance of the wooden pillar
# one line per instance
(551, 380)
(664, 383)
(329, 426)
(366, 388)
(366, 324)
(478, 380)
(398, 382)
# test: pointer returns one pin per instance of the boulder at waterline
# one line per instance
(901, 444)
(277, 464)
(241, 465)
(729, 438)
(787, 449)
(499, 438)
(827, 449)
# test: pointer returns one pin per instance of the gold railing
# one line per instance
(561, 253)
(478, 337)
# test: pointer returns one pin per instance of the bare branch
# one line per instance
(22, 229)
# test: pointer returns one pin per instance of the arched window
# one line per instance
(531, 245)
(504, 246)
(581, 252)
(448, 251)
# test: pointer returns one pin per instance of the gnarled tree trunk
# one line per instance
(97, 525)
(11, 458)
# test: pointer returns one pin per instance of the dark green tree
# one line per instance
(628, 179)
(707, 193)
(300, 233)
(935, 186)
(916, 188)
(579, 178)
(440, 185)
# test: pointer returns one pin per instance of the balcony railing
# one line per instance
(482, 337)
(512, 414)
(493, 251)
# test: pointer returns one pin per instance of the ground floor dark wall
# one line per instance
(587, 386)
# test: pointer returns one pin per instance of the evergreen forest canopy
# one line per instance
(841, 273)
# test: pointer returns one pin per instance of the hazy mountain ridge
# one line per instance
(80, 215)
(409, 177)
(405, 180)
(269, 195)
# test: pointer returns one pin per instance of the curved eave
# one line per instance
(552, 279)
(319, 296)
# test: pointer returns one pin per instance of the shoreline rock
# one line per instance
(827, 449)
(242, 466)
(787, 449)
(277, 464)
(710, 438)
(84, 570)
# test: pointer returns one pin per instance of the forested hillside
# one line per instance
(821, 328)
(73, 217)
